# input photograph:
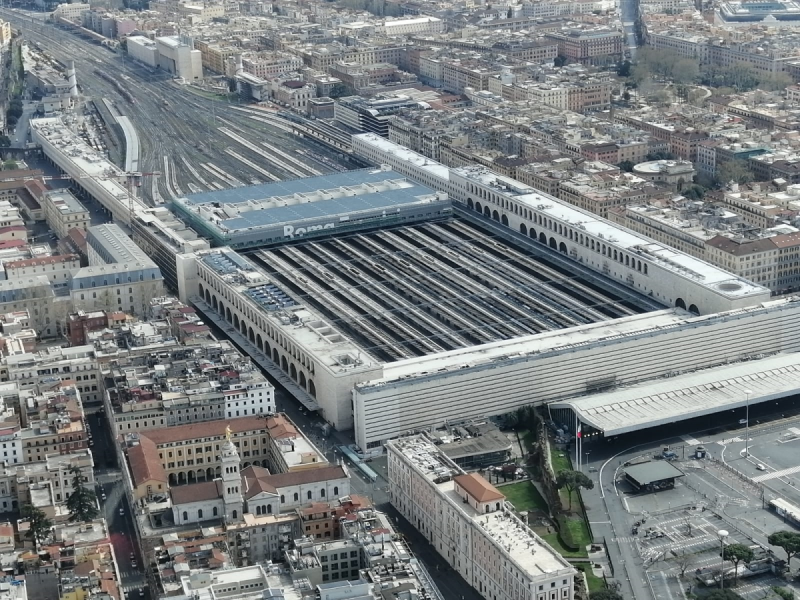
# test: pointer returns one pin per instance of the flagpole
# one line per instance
(577, 442)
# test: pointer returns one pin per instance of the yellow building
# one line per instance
(5, 32)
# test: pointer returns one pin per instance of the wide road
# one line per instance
(179, 128)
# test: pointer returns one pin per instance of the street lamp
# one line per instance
(747, 394)
(722, 534)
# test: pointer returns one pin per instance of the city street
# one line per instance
(109, 481)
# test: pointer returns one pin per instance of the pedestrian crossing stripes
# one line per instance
(690, 440)
(733, 440)
(776, 474)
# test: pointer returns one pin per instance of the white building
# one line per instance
(177, 56)
(467, 521)
(63, 212)
(144, 50)
(71, 12)
(250, 398)
(413, 26)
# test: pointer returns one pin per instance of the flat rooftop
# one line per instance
(688, 396)
(522, 545)
(420, 290)
(652, 472)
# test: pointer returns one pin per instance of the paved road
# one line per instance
(109, 482)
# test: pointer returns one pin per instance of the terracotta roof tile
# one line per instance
(193, 431)
(258, 479)
(145, 463)
(196, 492)
(477, 487)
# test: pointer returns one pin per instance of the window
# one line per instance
(199, 513)
(296, 497)
(215, 512)
(309, 494)
(185, 516)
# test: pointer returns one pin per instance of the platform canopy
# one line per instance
(652, 472)
(687, 396)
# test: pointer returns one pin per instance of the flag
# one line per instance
(578, 434)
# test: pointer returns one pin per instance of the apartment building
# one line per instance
(53, 366)
(63, 212)
(154, 387)
(589, 46)
(467, 521)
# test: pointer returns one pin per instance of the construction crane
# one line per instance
(131, 177)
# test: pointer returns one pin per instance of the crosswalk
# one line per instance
(691, 441)
(733, 440)
(777, 474)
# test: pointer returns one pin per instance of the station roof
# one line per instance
(688, 396)
(304, 185)
(651, 472)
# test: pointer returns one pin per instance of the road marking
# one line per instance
(733, 440)
(776, 474)
(691, 441)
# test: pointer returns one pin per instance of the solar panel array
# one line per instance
(270, 297)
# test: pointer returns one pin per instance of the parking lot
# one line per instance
(678, 528)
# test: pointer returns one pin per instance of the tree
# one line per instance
(789, 541)
(338, 90)
(571, 481)
(605, 594)
(5, 141)
(686, 70)
(624, 69)
(737, 553)
(40, 525)
(82, 502)
(559, 61)
(734, 170)
(687, 522)
(684, 560)
(626, 165)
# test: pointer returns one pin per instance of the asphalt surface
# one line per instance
(179, 129)
(723, 483)
(108, 481)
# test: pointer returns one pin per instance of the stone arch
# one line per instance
(256, 463)
(251, 335)
(302, 380)
(553, 243)
(246, 464)
(562, 247)
(532, 233)
(219, 471)
(173, 479)
(208, 298)
(680, 303)
(693, 309)
(236, 322)
(214, 303)
(267, 348)
(201, 475)
(284, 364)
(470, 204)
(209, 474)
(495, 215)
(523, 229)
(228, 316)
(243, 328)
(276, 358)
(293, 371)
(312, 389)
(191, 477)
(181, 477)
(543, 238)
(487, 213)
(201, 289)
(504, 220)
(259, 341)
(478, 207)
